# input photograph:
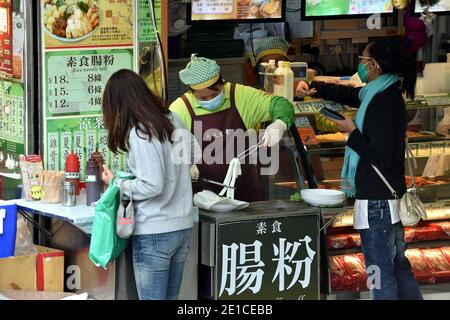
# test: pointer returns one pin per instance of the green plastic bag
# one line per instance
(106, 246)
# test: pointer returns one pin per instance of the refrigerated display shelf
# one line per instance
(411, 245)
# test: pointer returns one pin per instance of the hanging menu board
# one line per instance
(84, 43)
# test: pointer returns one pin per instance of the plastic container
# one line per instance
(92, 186)
(422, 270)
(288, 86)
(8, 229)
(269, 77)
(409, 235)
(97, 156)
(340, 281)
(355, 240)
(278, 79)
(426, 233)
(438, 263)
(446, 252)
(444, 229)
(356, 270)
(72, 171)
(338, 241)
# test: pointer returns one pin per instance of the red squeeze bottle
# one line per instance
(72, 171)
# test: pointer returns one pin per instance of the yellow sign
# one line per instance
(87, 23)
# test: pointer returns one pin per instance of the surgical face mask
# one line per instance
(362, 70)
(213, 103)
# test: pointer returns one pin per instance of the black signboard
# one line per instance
(270, 259)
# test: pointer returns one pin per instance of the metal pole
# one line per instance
(306, 164)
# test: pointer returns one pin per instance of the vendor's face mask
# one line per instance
(213, 103)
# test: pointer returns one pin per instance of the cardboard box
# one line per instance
(43, 271)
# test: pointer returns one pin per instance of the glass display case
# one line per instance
(428, 133)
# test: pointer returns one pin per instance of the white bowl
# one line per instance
(323, 197)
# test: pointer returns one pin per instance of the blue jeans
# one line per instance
(384, 248)
(158, 261)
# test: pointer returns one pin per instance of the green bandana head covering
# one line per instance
(272, 45)
(200, 73)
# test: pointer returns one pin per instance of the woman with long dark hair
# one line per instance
(377, 137)
(140, 125)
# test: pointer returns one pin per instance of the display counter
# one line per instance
(428, 118)
(269, 250)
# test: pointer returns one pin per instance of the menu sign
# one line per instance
(84, 43)
(76, 79)
(82, 134)
(6, 39)
(90, 23)
(12, 136)
(235, 10)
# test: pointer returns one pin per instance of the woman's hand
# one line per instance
(346, 125)
(302, 90)
(107, 175)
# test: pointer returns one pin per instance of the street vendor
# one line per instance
(213, 104)
(272, 48)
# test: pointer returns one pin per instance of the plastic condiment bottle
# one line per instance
(92, 186)
(278, 79)
(97, 156)
(72, 171)
(269, 76)
(288, 86)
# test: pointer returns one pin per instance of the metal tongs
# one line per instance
(240, 156)
(216, 183)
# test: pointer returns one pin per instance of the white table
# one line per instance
(77, 215)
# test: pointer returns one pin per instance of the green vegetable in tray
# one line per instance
(60, 3)
(296, 197)
(68, 13)
(83, 6)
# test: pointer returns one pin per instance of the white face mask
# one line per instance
(213, 103)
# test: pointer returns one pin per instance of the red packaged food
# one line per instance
(361, 257)
(439, 264)
(339, 280)
(446, 252)
(421, 268)
(355, 240)
(444, 229)
(409, 235)
(428, 233)
(339, 241)
(356, 270)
